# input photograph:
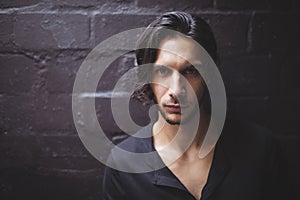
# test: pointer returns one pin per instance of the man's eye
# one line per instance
(191, 71)
(163, 71)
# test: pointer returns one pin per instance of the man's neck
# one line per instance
(180, 140)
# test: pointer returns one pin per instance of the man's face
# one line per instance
(171, 76)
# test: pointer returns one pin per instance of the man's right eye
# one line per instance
(162, 71)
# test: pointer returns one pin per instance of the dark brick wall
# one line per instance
(43, 42)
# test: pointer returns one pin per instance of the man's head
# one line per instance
(167, 67)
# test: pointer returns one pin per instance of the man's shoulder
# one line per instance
(241, 136)
(136, 153)
(139, 142)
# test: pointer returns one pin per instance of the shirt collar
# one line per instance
(219, 169)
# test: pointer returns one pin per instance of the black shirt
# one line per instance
(245, 167)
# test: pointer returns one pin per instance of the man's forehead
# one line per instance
(180, 49)
(171, 60)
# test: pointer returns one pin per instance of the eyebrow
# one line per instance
(190, 66)
(159, 65)
(196, 65)
(187, 67)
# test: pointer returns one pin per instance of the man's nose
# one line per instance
(177, 85)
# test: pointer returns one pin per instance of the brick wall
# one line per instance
(43, 42)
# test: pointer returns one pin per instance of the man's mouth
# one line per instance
(174, 108)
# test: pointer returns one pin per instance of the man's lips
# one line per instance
(174, 108)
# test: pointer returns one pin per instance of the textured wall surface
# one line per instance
(43, 43)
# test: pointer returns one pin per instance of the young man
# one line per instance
(243, 163)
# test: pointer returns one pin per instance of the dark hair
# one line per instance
(184, 23)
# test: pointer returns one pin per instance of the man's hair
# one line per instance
(146, 51)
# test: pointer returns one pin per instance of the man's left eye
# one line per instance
(191, 71)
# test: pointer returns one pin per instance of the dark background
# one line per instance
(43, 42)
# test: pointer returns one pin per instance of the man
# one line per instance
(243, 163)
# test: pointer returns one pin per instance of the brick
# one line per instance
(171, 5)
(84, 3)
(242, 4)
(53, 152)
(53, 112)
(16, 114)
(251, 75)
(274, 32)
(6, 26)
(230, 31)
(242, 108)
(61, 71)
(15, 185)
(284, 113)
(256, 5)
(105, 118)
(229, 40)
(18, 151)
(138, 113)
(61, 31)
(74, 3)
(103, 103)
(115, 71)
(290, 82)
(68, 163)
(278, 113)
(287, 5)
(108, 25)
(17, 3)
(63, 67)
(17, 75)
(61, 147)
(89, 174)
(291, 149)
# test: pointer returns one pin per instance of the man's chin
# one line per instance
(174, 119)
(177, 120)
(173, 122)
